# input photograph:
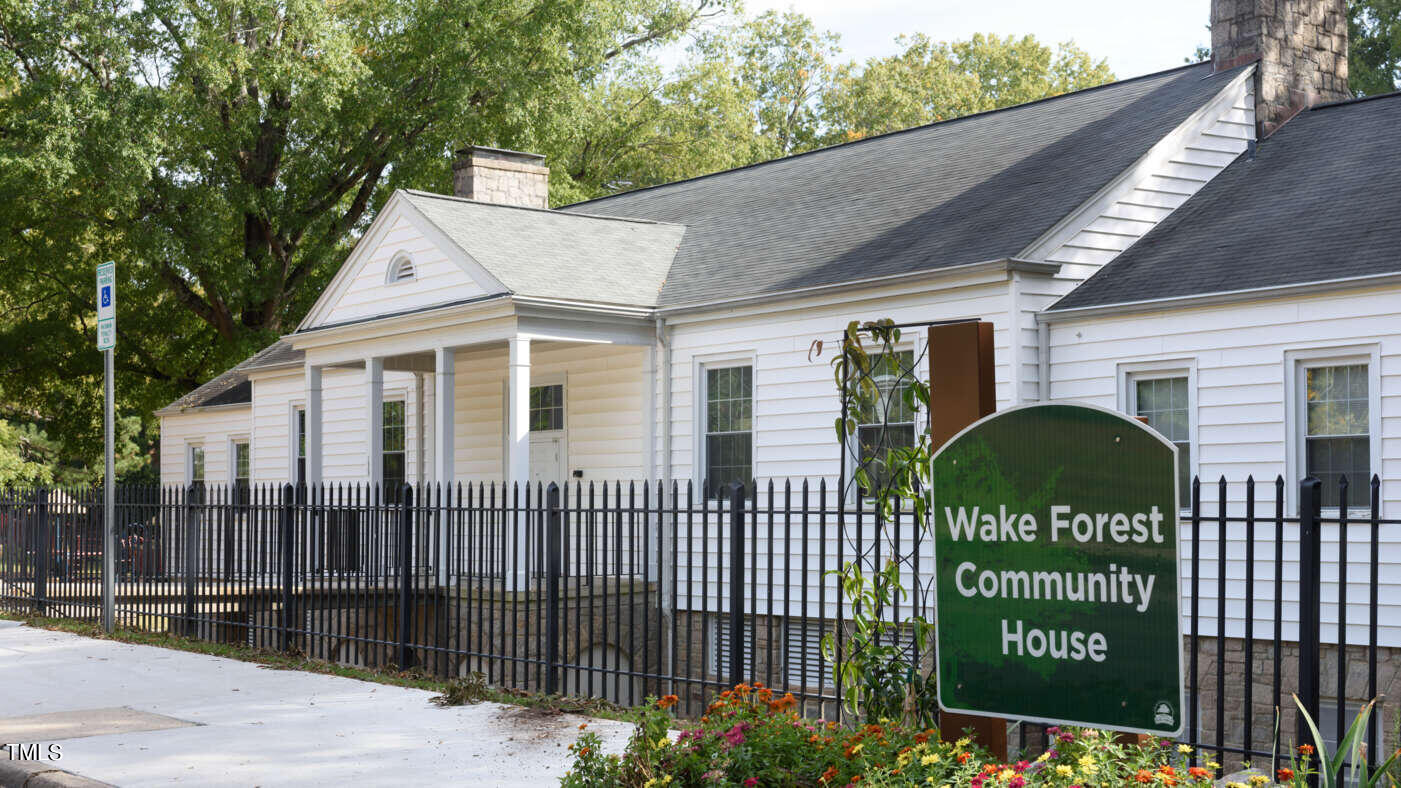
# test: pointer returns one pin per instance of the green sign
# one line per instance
(1056, 552)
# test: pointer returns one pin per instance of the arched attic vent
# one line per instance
(400, 269)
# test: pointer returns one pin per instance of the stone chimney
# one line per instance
(1301, 45)
(506, 177)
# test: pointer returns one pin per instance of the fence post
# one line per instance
(192, 518)
(552, 570)
(286, 520)
(1310, 559)
(43, 547)
(405, 657)
(736, 583)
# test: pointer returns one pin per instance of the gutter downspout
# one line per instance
(1043, 361)
(664, 368)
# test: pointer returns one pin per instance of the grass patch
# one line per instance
(452, 692)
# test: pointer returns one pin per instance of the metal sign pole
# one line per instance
(108, 491)
(106, 341)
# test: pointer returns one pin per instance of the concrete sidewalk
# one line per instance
(139, 715)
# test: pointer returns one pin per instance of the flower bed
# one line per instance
(750, 736)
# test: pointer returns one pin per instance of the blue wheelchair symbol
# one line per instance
(106, 295)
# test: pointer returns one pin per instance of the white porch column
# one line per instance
(374, 397)
(518, 455)
(649, 416)
(314, 452)
(518, 420)
(444, 406)
(419, 460)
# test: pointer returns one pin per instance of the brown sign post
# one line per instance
(961, 391)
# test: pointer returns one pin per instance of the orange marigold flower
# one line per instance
(1306, 749)
(921, 737)
(1199, 773)
(964, 756)
(829, 774)
(1285, 774)
(1144, 776)
(667, 701)
(765, 695)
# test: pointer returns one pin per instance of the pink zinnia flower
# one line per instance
(751, 782)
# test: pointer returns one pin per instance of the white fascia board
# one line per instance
(276, 371)
(1123, 183)
(397, 206)
(561, 305)
(936, 280)
(192, 410)
(579, 328)
(492, 308)
(1225, 297)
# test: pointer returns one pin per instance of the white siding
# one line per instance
(1242, 354)
(438, 279)
(1169, 174)
(795, 407)
(211, 428)
(603, 399)
(795, 398)
(1114, 220)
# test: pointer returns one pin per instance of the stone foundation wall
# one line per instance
(1256, 680)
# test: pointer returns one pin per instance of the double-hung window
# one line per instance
(885, 420)
(1337, 430)
(242, 467)
(546, 408)
(729, 426)
(196, 461)
(392, 464)
(299, 468)
(1164, 401)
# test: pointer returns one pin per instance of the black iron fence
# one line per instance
(624, 591)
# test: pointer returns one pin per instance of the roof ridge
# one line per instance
(1355, 100)
(551, 211)
(911, 129)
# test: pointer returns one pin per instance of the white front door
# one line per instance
(547, 458)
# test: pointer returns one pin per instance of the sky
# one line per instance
(1135, 36)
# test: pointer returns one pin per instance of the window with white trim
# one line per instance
(401, 269)
(546, 408)
(196, 465)
(1164, 401)
(241, 462)
(888, 421)
(1337, 429)
(392, 455)
(729, 426)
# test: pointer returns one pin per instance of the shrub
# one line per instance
(750, 736)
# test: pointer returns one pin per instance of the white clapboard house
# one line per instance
(1209, 247)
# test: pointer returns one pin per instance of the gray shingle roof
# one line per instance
(1316, 203)
(551, 254)
(969, 190)
(233, 387)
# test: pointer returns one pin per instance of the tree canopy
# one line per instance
(227, 155)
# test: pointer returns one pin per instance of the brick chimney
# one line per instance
(1301, 45)
(506, 177)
